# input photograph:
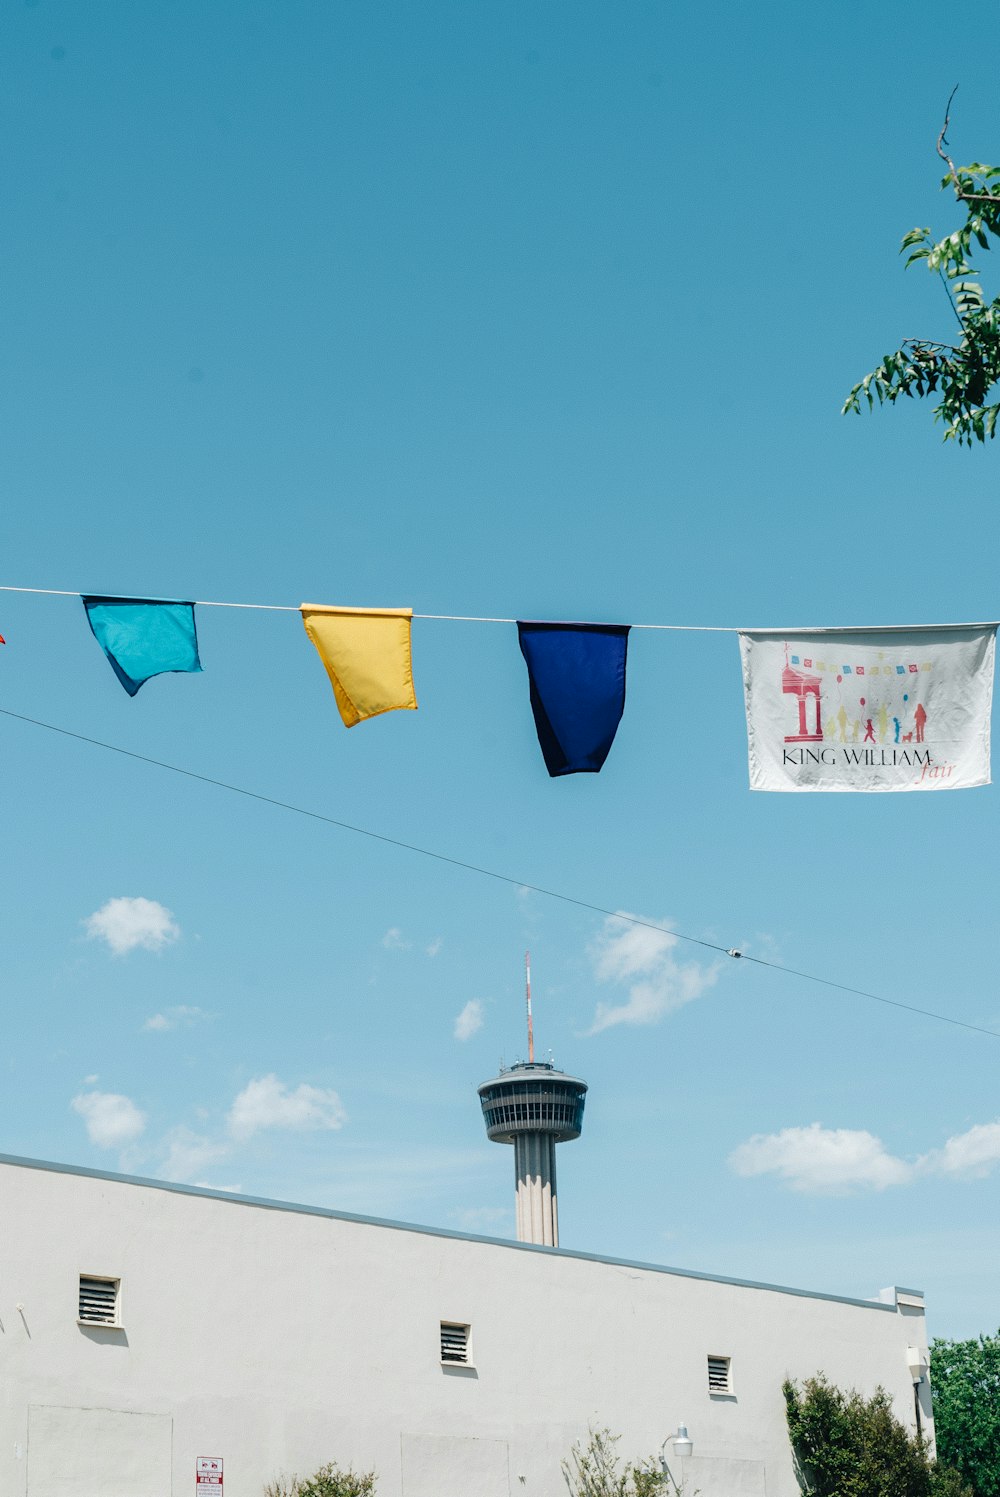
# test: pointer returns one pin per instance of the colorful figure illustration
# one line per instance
(895, 729)
(883, 722)
(856, 730)
(830, 727)
(869, 731)
(919, 718)
(907, 738)
(842, 722)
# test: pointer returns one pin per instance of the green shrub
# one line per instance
(846, 1445)
(594, 1470)
(330, 1481)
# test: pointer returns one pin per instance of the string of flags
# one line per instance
(826, 709)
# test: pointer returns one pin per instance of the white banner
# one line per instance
(893, 709)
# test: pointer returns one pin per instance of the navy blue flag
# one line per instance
(577, 677)
(143, 637)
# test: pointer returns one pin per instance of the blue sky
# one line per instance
(530, 311)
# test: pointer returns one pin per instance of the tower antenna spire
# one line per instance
(527, 993)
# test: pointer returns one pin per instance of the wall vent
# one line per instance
(98, 1300)
(718, 1375)
(455, 1345)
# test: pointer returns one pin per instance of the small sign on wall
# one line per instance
(208, 1476)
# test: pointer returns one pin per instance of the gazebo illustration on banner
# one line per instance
(802, 685)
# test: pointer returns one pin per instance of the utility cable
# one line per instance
(504, 878)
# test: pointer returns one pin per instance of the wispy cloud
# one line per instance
(470, 1021)
(394, 940)
(111, 1120)
(189, 1153)
(267, 1102)
(126, 924)
(172, 1018)
(641, 959)
(394, 1181)
(433, 947)
(486, 1219)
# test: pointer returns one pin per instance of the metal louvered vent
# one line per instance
(98, 1301)
(718, 1375)
(454, 1344)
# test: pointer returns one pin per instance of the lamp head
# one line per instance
(682, 1442)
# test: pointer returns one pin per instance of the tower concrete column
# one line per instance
(535, 1173)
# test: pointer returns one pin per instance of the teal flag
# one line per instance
(143, 638)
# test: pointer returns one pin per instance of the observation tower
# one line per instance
(534, 1107)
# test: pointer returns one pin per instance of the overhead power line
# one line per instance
(503, 878)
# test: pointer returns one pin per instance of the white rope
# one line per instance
(264, 607)
(50, 592)
(467, 618)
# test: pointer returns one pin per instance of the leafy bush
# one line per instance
(846, 1445)
(328, 1481)
(594, 1470)
(947, 1482)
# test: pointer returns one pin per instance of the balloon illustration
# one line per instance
(862, 701)
(840, 678)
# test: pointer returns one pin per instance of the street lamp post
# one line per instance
(683, 1446)
(918, 1364)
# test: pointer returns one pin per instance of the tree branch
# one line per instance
(942, 141)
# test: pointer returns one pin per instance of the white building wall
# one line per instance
(280, 1338)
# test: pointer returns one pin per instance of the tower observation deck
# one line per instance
(534, 1107)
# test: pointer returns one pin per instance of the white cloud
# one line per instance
(111, 1120)
(126, 924)
(188, 1153)
(267, 1102)
(643, 958)
(973, 1153)
(91, 1080)
(435, 946)
(394, 940)
(825, 1161)
(183, 1013)
(834, 1160)
(470, 1021)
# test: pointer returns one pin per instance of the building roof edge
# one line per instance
(264, 1203)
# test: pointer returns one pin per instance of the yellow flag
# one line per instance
(366, 652)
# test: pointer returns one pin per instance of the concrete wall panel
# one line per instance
(98, 1453)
